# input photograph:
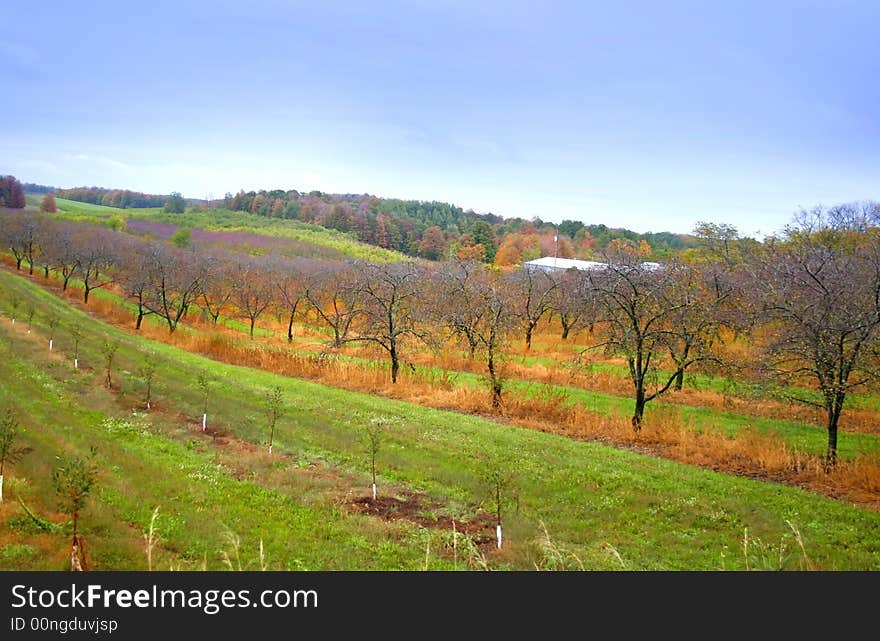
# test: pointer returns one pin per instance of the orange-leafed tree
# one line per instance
(48, 204)
(433, 243)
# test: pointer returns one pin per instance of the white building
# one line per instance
(553, 264)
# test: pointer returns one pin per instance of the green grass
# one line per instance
(75, 206)
(596, 502)
(236, 221)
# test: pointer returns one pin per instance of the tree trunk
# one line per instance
(639, 411)
(46, 271)
(86, 291)
(18, 264)
(496, 384)
(290, 328)
(565, 329)
(679, 381)
(395, 362)
(76, 564)
(833, 419)
(472, 346)
(529, 336)
(253, 321)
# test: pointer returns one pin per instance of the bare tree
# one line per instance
(48, 232)
(644, 313)
(567, 301)
(136, 277)
(479, 307)
(457, 290)
(374, 439)
(204, 384)
(334, 296)
(176, 278)
(390, 293)
(147, 372)
(290, 279)
(533, 295)
(96, 258)
(29, 312)
(252, 292)
(820, 289)
(501, 484)
(52, 322)
(219, 284)
(76, 335)
(109, 349)
(39, 230)
(60, 252)
(695, 299)
(274, 408)
(21, 233)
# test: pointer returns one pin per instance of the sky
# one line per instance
(645, 115)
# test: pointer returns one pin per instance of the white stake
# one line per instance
(204, 422)
(498, 535)
(270, 449)
(75, 363)
(374, 491)
(50, 344)
(13, 321)
(148, 404)
(1, 488)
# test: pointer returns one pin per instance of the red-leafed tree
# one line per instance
(433, 243)
(48, 204)
(11, 193)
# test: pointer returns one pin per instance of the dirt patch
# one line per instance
(421, 510)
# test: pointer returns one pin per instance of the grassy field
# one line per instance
(579, 504)
(223, 220)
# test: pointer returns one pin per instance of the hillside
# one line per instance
(237, 230)
(578, 504)
(427, 229)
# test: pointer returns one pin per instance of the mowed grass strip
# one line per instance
(605, 508)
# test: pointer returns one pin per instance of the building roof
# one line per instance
(550, 263)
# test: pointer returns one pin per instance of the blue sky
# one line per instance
(646, 115)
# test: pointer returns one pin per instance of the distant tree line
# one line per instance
(34, 188)
(120, 198)
(428, 229)
(436, 230)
